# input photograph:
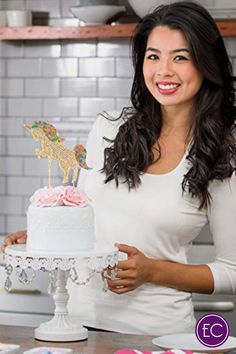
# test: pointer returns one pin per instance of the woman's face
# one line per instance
(169, 72)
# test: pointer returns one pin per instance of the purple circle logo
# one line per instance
(212, 330)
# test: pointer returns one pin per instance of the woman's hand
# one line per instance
(14, 238)
(139, 269)
(131, 273)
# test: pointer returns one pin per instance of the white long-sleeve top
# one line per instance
(161, 222)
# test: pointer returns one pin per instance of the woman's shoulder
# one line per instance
(223, 190)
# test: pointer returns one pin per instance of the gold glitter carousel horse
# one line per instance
(53, 149)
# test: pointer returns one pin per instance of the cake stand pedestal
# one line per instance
(61, 327)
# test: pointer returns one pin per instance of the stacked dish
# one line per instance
(92, 12)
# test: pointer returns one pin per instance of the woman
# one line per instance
(168, 164)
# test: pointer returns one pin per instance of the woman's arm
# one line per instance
(222, 220)
(218, 276)
(139, 269)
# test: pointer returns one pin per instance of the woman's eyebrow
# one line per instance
(172, 51)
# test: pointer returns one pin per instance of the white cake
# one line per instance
(60, 220)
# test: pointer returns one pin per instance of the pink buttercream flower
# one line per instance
(47, 197)
(59, 196)
(74, 197)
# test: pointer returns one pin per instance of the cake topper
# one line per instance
(53, 149)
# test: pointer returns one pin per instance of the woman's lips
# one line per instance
(167, 88)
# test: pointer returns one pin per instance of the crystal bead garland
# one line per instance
(77, 279)
(8, 283)
(24, 277)
(105, 285)
(52, 282)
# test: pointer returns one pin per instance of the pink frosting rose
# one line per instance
(47, 197)
(59, 196)
(74, 196)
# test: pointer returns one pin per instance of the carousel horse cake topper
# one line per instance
(53, 149)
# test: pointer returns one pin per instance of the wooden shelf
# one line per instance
(227, 28)
(83, 32)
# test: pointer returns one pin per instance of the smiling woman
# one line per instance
(169, 169)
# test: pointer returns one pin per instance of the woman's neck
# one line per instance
(176, 123)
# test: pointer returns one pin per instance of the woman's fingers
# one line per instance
(118, 283)
(14, 238)
(120, 286)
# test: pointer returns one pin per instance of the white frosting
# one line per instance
(60, 228)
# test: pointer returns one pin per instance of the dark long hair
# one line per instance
(213, 151)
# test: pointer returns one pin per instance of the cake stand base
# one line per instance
(70, 333)
(60, 328)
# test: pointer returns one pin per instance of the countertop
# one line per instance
(97, 343)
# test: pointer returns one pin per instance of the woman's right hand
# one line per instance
(14, 238)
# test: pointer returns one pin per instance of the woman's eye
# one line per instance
(180, 57)
(152, 57)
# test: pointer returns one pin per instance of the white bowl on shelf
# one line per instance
(143, 7)
(96, 14)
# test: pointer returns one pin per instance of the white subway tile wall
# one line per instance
(24, 107)
(11, 87)
(227, 4)
(79, 86)
(207, 3)
(22, 185)
(62, 67)
(23, 68)
(2, 185)
(2, 67)
(10, 205)
(2, 224)
(2, 107)
(79, 49)
(38, 167)
(114, 87)
(20, 146)
(11, 166)
(63, 107)
(11, 126)
(66, 82)
(44, 49)
(2, 146)
(42, 87)
(12, 4)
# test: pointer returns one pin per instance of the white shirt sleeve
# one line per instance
(222, 220)
(102, 127)
(93, 147)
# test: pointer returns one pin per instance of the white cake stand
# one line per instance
(60, 328)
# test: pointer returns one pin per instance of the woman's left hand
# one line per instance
(131, 273)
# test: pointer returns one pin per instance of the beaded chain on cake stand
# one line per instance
(60, 266)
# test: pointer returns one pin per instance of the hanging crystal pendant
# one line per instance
(51, 289)
(73, 274)
(23, 277)
(8, 283)
(52, 283)
(105, 285)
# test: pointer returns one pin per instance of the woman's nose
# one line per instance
(164, 68)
